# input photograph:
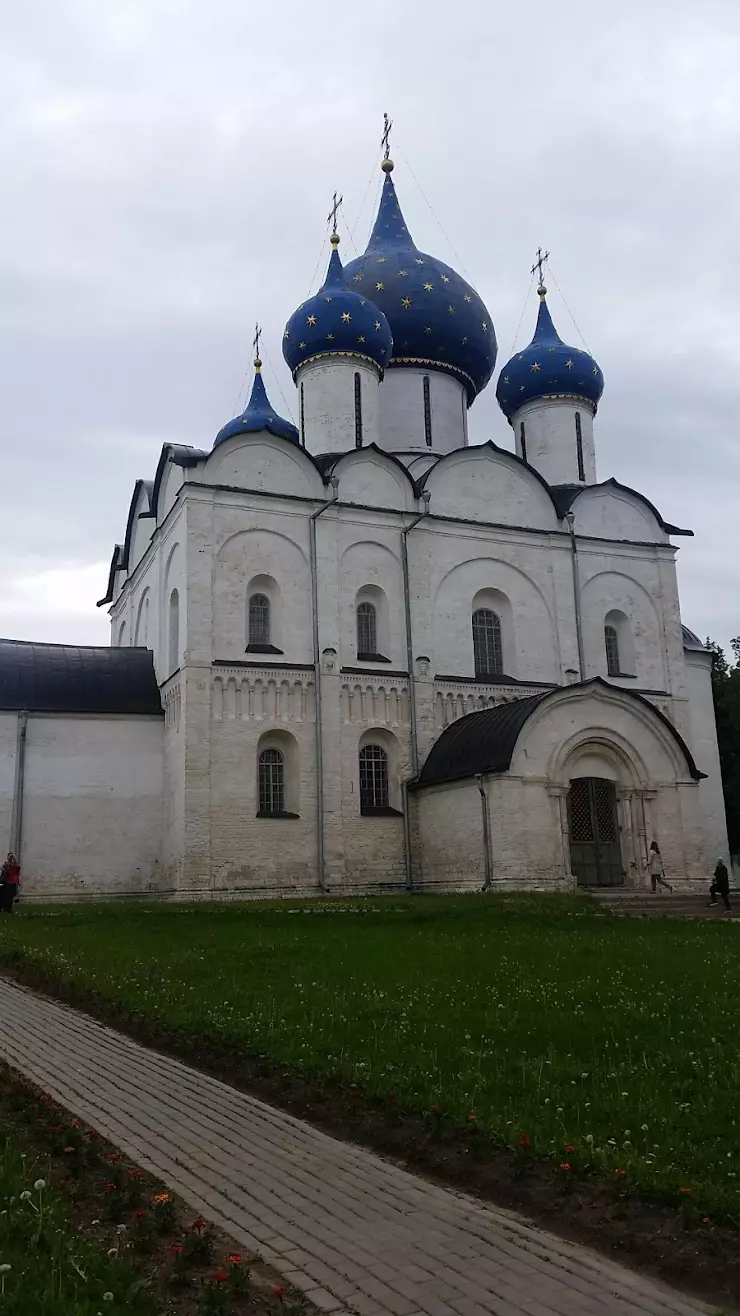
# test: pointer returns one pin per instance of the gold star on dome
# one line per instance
(327, 299)
(406, 301)
(330, 337)
(552, 349)
(467, 297)
(429, 287)
(506, 379)
(346, 317)
(535, 366)
(379, 287)
(301, 344)
(465, 339)
(377, 324)
(451, 310)
(427, 328)
(445, 278)
(380, 260)
(361, 338)
(286, 334)
(418, 261)
(310, 319)
(570, 364)
(484, 324)
(357, 278)
(596, 370)
(402, 274)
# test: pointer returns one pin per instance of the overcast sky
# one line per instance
(167, 168)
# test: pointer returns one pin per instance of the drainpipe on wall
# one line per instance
(16, 822)
(570, 518)
(334, 481)
(425, 498)
(486, 834)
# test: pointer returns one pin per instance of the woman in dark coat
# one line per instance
(10, 876)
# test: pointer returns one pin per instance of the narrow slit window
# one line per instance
(271, 782)
(358, 411)
(373, 778)
(427, 412)
(523, 441)
(174, 637)
(579, 448)
(487, 648)
(259, 619)
(367, 629)
(303, 420)
(611, 644)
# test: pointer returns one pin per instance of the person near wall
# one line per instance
(10, 875)
(721, 885)
(655, 868)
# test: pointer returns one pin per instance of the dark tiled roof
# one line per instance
(690, 640)
(479, 742)
(66, 678)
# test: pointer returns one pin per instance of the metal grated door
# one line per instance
(595, 850)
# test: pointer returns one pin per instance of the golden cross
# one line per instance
(385, 140)
(333, 212)
(541, 258)
(256, 341)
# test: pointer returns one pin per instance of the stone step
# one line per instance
(679, 904)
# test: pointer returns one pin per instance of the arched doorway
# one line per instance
(595, 849)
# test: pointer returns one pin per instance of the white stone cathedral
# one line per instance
(362, 655)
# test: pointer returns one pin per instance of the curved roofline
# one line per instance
(514, 716)
(505, 452)
(115, 566)
(73, 678)
(566, 495)
(338, 457)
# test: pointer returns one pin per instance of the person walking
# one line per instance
(655, 868)
(721, 885)
(10, 876)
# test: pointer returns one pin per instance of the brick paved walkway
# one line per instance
(356, 1233)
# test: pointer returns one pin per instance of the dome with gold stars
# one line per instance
(437, 319)
(338, 321)
(547, 368)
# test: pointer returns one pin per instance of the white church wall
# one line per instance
(482, 484)
(370, 571)
(172, 481)
(263, 463)
(628, 587)
(448, 833)
(702, 737)
(8, 750)
(173, 773)
(609, 513)
(141, 537)
(369, 479)
(92, 806)
(261, 552)
(327, 404)
(403, 412)
(551, 428)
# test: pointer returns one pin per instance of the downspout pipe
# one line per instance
(317, 680)
(570, 518)
(16, 826)
(425, 498)
(487, 861)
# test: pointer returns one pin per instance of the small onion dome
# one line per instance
(548, 368)
(258, 415)
(437, 319)
(337, 322)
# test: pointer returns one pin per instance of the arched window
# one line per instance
(373, 778)
(611, 644)
(367, 630)
(579, 448)
(174, 636)
(523, 440)
(427, 412)
(271, 782)
(259, 619)
(487, 650)
(358, 410)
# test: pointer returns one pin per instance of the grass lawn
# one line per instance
(586, 1039)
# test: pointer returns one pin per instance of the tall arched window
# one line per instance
(259, 619)
(174, 635)
(579, 448)
(487, 650)
(271, 769)
(373, 778)
(367, 629)
(358, 410)
(427, 412)
(611, 644)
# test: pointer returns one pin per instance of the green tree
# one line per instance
(726, 689)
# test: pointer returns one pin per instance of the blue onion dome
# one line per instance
(338, 321)
(436, 318)
(548, 368)
(259, 415)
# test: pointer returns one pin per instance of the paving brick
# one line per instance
(355, 1234)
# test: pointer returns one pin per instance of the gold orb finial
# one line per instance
(387, 165)
(257, 364)
(334, 240)
(541, 291)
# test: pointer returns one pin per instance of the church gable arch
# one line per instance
(266, 464)
(261, 564)
(607, 511)
(529, 648)
(370, 577)
(371, 478)
(488, 484)
(614, 601)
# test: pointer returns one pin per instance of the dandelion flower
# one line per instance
(40, 1185)
(108, 1297)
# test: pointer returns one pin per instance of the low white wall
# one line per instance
(92, 815)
